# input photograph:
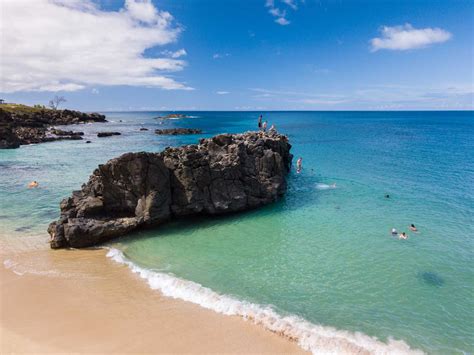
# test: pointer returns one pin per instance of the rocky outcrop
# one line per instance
(18, 127)
(176, 131)
(226, 173)
(108, 134)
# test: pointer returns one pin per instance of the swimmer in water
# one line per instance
(403, 236)
(33, 184)
(394, 232)
(387, 196)
(413, 228)
(299, 165)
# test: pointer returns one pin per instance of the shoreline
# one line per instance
(81, 301)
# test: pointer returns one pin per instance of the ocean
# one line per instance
(320, 265)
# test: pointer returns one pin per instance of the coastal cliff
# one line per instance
(21, 124)
(223, 174)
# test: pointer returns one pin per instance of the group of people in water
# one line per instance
(403, 235)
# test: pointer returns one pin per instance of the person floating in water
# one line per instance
(413, 228)
(403, 235)
(260, 122)
(33, 184)
(394, 232)
(299, 165)
(264, 126)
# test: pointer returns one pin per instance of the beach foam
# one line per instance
(315, 338)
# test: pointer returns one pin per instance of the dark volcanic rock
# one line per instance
(60, 132)
(143, 129)
(226, 173)
(176, 131)
(108, 134)
(27, 127)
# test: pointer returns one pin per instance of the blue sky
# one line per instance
(239, 55)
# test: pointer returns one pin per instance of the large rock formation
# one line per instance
(26, 125)
(226, 173)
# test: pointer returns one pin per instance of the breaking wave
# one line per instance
(312, 337)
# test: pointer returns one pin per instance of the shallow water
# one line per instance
(323, 254)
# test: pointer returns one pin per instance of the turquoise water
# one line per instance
(324, 254)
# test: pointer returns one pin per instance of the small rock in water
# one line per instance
(108, 134)
(432, 278)
(88, 141)
(176, 131)
(143, 129)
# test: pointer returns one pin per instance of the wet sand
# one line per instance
(80, 301)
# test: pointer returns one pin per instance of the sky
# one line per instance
(257, 55)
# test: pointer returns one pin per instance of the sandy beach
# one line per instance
(81, 301)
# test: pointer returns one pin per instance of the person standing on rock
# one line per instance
(264, 126)
(260, 122)
(299, 165)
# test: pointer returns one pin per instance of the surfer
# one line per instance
(299, 165)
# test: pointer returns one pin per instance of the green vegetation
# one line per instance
(19, 108)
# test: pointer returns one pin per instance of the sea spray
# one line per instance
(315, 338)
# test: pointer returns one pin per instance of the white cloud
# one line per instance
(175, 54)
(95, 91)
(291, 3)
(406, 37)
(70, 44)
(277, 12)
(220, 55)
(280, 14)
(378, 97)
(282, 21)
(222, 92)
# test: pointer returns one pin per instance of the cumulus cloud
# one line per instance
(407, 37)
(54, 45)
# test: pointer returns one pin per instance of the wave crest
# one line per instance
(315, 338)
